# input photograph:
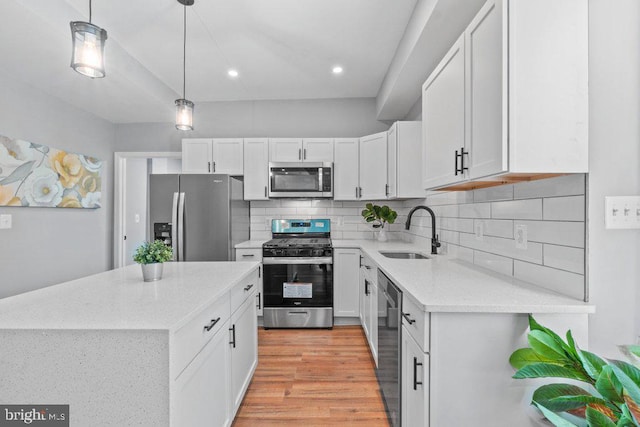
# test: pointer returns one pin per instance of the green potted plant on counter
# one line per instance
(612, 395)
(379, 216)
(150, 256)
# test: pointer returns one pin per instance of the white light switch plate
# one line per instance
(622, 212)
(521, 236)
(5, 221)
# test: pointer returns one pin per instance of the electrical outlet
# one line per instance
(521, 236)
(479, 228)
(622, 212)
(5, 221)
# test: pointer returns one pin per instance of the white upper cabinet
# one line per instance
(525, 97)
(301, 150)
(443, 104)
(317, 150)
(285, 149)
(404, 162)
(346, 171)
(217, 155)
(373, 167)
(256, 166)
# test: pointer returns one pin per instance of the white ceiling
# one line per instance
(283, 49)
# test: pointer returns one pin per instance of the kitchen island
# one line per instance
(121, 351)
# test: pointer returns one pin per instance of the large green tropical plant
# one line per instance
(612, 396)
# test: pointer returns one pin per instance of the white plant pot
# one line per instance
(152, 272)
(382, 235)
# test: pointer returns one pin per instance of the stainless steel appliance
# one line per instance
(201, 216)
(298, 274)
(389, 346)
(300, 179)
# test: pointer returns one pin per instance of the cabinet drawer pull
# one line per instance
(408, 318)
(214, 166)
(366, 287)
(304, 154)
(299, 154)
(246, 288)
(248, 255)
(265, 191)
(386, 190)
(209, 166)
(416, 383)
(258, 296)
(460, 170)
(233, 336)
(211, 325)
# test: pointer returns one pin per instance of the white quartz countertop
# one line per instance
(251, 244)
(120, 299)
(443, 284)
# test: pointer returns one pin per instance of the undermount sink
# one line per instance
(404, 255)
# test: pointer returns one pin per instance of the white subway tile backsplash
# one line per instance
(475, 210)
(492, 194)
(455, 224)
(568, 185)
(517, 209)
(295, 203)
(564, 258)
(265, 203)
(564, 208)
(260, 235)
(280, 211)
(564, 282)
(367, 235)
(462, 253)
(443, 198)
(444, 211)
(495, 227)
(343, 211)
(504, 247)
(494, 262)
(555, 232)
(312, 211)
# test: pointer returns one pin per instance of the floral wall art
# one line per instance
(35, 175)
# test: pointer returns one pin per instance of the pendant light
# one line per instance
(87, 56)
(184, 107)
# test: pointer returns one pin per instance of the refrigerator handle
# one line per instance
(174, 227)
(181, 227)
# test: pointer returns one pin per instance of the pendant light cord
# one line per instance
(89, 11)
(184, 56)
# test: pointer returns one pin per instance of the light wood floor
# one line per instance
(308, 377)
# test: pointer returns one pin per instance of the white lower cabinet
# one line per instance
(346, 279)
(415, 383)
(254, 254)
(369, 304)
(244, 348)
(202, 389)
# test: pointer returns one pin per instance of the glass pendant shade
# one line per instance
(88, 49)
(184, 114)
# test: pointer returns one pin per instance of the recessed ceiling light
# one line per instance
(337, 69)
(232, 73)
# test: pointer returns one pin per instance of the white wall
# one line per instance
(307, 118)
(50, 245)
(135, 217)
(614, 151)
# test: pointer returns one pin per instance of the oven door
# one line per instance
(298, 284)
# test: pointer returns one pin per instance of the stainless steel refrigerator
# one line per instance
(201, 217)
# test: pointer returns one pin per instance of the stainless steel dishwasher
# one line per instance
(389, 346)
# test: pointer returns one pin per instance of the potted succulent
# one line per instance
(150, 256)
(379, 216)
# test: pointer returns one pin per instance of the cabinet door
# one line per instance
(414, 383)
(228, 156)
(486, 93)
(373, 166)
(254, 255)
(443, 109)
(202, 389)
(197, 155)
(346, 169)
(317, 150)
(346, 282)
(285, 149)
(392, 161)
(256, 168)
(408, 161)
(373, 320)
(365, 304)
(244, 349)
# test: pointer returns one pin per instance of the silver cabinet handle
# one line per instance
(174, 227)
(211, 325)
(181, 202)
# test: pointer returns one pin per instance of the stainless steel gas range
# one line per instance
(298, 274)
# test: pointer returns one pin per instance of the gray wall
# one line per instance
(307, 118)
(50, 245)
(614, 152)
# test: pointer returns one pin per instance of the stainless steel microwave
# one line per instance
(288, 179)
